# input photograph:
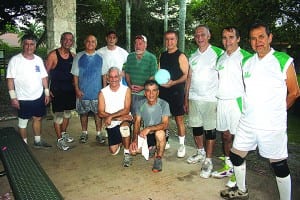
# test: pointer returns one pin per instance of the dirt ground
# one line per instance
(88, 171)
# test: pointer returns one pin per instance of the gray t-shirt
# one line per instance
(152, 115)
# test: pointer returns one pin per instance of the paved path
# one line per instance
(88, 171)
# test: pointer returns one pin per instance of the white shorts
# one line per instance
(228, 115)
(271, 144)
(202, 113)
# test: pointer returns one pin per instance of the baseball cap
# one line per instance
(141, 37)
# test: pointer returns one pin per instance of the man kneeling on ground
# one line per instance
(154, 113)
(114, 106)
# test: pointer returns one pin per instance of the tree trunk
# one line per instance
(182, 16)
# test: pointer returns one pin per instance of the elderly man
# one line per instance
(86, 68)
(114, 106)
(141, 65)
(28, 89)
(154, 112)
(59, 64)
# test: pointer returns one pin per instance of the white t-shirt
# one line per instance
(229, 67)
(114, 101)
(266, 91)
(113, 58)
(204, 81)
(27, 75)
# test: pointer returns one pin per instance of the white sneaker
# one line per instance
(181, 151)
(231, 182)
(198, 157)
(61, 144)
(206, 169)
(167, 145)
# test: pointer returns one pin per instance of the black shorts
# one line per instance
(151, 139)
(175, 100)
(114, 135)
(32, 108)
(63, 100)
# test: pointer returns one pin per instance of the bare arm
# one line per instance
(51, 61)
(162, 126)
(184, 66)
(292, 86)
(79, 94)
(187, 88)
(11, 87)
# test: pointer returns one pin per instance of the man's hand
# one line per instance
(15, 103)
(136, 88)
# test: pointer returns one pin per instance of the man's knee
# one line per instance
(58, 117)
(125, 131)
(197, 131)
(22, 123)
(281, 168)
(67, 114)
(236, 159)
(210, 135)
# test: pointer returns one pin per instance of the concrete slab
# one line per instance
(88, 171)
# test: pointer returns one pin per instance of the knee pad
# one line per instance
(67, 114)
(125, 131)
(22, 123)
(58, 117)
(236, 159)
(281, 168)
(210, 135)
(197, 131)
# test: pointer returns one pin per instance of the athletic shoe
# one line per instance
(198, 157)
(127, 160)
(157, 166)
(206, 169)
(167, 145)
(100, 139)
(67, 138)
(181, 151)
(152, 151)
(83, 138)
(231, 182)
(226, 171)
(234, 193)
(61, 144)
(41, 144)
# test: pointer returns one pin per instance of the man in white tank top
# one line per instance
(114, 106)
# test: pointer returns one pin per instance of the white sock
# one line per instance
(201, 151)
(98, 132)
(181, 139)
(37, 138)
(25, 140)
(63, 132)
(284, 187)
(208, 159)
(85, 132)
(240, 175)
(126, 151)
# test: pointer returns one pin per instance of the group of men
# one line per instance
(244, 96)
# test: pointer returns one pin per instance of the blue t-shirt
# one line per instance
(88, 68)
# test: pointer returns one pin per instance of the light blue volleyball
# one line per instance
(162, 76)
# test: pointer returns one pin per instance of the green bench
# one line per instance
(27, 178)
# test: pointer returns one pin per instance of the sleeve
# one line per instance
(11, 68)
(75, 68)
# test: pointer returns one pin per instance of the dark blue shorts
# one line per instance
(32, 108)
(114, 135)
(63, 100)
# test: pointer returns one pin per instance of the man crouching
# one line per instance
(114, 106)
(150, 139)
